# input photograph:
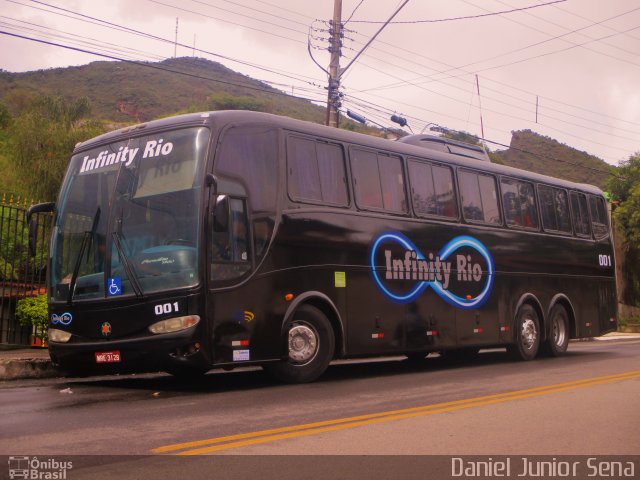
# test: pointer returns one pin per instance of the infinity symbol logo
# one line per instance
(436, 271)
(64, 319)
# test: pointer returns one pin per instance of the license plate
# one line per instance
(108, 357)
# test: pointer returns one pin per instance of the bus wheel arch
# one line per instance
(528, 327)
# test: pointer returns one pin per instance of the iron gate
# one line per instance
(21, 274)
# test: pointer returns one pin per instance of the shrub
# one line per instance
(33, 311)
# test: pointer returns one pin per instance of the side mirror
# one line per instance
(46, 207)
(221, 214)
(33, 223)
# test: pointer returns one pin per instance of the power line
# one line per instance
(353, 12)
(156, 67)
(82, 40)
(455, 99)
(118, 27)
(298, 79)
(546, 126)
(578, 165)
(466, 17)
(153, 66)
(561, 36)
(555, 24)
(451, 67)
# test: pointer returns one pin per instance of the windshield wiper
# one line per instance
(87, 240)
(126, 263)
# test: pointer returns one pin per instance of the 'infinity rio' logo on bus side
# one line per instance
(403, 261)
(65, 319)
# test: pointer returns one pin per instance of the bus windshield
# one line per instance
(127, 221)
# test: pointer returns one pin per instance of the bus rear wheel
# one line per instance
(310, 346)
(527, 339)
(558, 339)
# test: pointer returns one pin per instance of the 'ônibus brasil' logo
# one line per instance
(461, 273)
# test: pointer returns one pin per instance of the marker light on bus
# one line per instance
(59, 336)
(174, 324)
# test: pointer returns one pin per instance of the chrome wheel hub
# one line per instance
(528, 334)
(303, 344)
(559, 332)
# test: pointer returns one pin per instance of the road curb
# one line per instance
(27, 368)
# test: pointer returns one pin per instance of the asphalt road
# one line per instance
(585, 403)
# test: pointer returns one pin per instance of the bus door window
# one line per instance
(230, 253)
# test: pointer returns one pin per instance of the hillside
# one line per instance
(123, 92)
(126, 93)
(573, 164)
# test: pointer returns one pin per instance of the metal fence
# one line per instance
(21, 274)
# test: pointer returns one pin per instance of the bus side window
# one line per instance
(479, 197)
(547, 208)
(316, 171)
(599, 217)
(432, 189)
(366, 178)
(580, 213)
(554, 209)
(519, 204)
(562, 210)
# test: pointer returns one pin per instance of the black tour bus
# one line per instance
(231, 238)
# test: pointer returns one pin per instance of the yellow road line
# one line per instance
(244, 439)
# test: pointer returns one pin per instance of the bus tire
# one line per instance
(527, 339)
(310, 344)
(558, 338)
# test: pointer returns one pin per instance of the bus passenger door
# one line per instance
(230, 261)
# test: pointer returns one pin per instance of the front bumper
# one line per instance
(142, 354)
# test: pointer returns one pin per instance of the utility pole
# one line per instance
(333, 98)
(175, 43)
(335, 72)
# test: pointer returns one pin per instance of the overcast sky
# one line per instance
(578, 59)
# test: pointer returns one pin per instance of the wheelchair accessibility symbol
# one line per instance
(114, 286)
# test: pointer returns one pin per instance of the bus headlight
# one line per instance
(59, 336)
(174, 324)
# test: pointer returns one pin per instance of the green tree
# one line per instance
(624, 188)
(41, 139)
(461, 136)
(5, 116)
(226, 101)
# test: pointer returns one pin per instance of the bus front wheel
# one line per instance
(310, 346)
(527, 339)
